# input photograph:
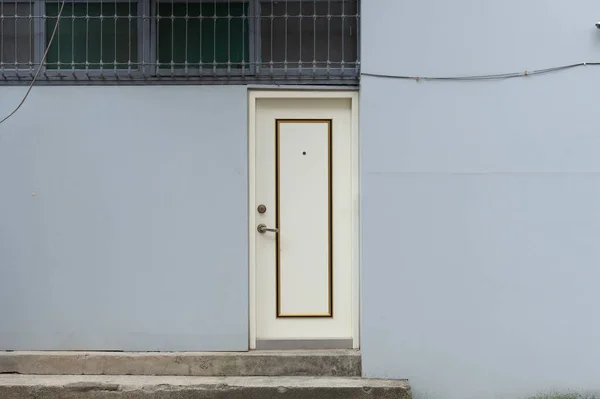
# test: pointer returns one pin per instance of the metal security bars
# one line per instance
(227, 41)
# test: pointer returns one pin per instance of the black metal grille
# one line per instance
(190, 40)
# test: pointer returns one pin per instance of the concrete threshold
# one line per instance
(162, 387)
(346, 363)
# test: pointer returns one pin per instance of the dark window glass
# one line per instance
(203, 34)
(93, 35)
(310, 33)
(16, 35)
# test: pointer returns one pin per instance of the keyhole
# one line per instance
(303, 152)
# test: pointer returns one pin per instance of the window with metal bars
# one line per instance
(188, 40)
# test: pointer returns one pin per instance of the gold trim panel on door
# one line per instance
(280, 123)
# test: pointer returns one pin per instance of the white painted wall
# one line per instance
(136, 236)
(481, 200)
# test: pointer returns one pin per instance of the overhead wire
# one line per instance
(500, 76)
(37, 73)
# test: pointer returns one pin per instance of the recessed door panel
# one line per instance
(304, 264)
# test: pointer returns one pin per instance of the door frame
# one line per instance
(353, 96)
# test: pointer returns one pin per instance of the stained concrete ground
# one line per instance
(177, 387)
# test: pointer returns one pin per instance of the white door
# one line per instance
(302, 224)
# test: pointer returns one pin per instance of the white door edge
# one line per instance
(253, 96)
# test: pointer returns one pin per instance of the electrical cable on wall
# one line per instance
(500, 76)
(37, 73)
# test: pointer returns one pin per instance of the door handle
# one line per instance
(262, 229)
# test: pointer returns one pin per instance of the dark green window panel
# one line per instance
(212, 34)
(101, 34)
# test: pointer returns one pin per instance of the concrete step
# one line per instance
(162, 387)
(322, 363)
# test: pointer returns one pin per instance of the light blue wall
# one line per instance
(136, 237)
(481, 200)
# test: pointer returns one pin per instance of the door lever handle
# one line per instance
(262, 229)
